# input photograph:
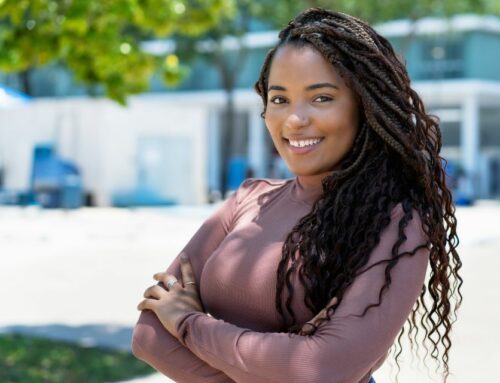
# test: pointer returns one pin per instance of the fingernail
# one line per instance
(184, 258)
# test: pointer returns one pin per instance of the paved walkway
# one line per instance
(79, 275)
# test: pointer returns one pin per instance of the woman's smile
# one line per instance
(304, 145)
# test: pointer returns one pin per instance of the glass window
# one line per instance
(442, 58)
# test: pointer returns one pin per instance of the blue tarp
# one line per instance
(10, 97)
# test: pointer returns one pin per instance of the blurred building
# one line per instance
(171, 140)
(453, 66)
(156, 147)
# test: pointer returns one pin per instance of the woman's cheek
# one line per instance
(271, 124)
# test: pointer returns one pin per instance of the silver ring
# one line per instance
(171, 282)
(189, 283)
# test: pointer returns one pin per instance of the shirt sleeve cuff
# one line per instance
(182, 325)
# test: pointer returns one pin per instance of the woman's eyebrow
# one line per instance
(276, 87)
(310, 87)
(322, 85)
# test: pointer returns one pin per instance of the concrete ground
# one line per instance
(78, 276)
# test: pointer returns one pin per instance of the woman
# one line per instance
(311, 279)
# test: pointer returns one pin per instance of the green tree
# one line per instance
(99, 41)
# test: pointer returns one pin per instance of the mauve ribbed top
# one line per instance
(235, 255)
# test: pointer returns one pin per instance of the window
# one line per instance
(442, 58)
(490, 127)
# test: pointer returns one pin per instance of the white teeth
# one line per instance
(302, 143)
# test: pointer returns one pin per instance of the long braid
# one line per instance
(394, 159)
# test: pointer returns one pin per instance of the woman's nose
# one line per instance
(297, 118)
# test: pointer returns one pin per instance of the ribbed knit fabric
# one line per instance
(235, 255)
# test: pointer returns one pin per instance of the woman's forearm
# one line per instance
(155, 346)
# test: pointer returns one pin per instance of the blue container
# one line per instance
(56, 183)
(238, 170)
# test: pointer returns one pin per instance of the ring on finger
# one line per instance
(171, 282)
(189, 283)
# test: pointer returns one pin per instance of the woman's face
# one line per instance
(311, 114)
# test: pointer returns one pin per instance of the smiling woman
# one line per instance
(311, 279)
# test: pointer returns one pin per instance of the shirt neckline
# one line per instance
(306, 189)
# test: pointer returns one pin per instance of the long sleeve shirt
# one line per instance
(235, 255)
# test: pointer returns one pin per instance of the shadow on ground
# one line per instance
(94, 335)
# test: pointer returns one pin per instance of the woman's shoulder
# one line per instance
(259, 186)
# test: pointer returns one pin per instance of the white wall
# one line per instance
(101, 137)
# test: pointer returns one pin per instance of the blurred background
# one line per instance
(124, 123)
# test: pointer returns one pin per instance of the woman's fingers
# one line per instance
(310, 326)
(168, 280)
(307, 329)
(188, 278)
(155, 292)
(333, 301)
(147, 304)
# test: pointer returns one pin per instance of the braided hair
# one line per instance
(394, 159)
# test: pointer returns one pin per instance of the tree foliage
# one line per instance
(99, 41)
(279, 12)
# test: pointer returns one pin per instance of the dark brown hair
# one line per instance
(395, 159)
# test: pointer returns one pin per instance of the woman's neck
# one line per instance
(309, 187)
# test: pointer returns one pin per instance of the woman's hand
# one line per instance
(171, 300)
(310, 327)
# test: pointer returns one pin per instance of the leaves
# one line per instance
(100, 40)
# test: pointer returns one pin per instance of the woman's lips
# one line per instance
(303, 150)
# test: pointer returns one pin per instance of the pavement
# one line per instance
(78, 276)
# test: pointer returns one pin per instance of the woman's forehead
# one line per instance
(300, 65)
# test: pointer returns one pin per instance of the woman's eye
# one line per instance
(323, 99)
(277, 100)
